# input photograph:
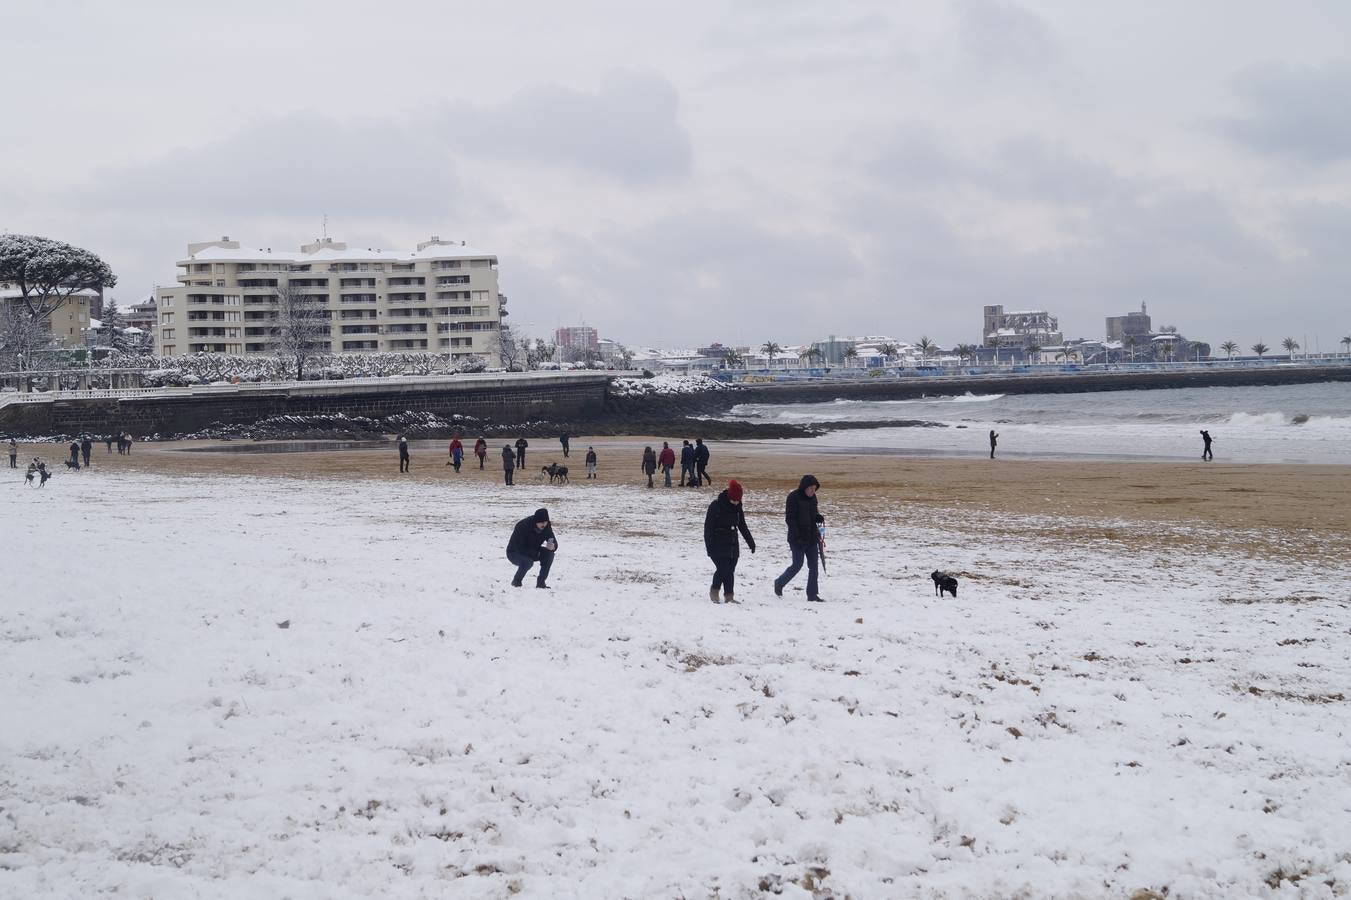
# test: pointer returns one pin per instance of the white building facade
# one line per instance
(441, 298)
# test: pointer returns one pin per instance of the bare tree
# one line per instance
(302, 326)
(509, 350)
(48, 273)
(20, 336)
(538, 351)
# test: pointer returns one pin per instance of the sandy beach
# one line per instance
(1300, 509)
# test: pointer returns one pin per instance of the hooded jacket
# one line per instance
(723, 521)
(686, 456)
(508, 459)
(649, 461)
(526, 539)
(800, 513)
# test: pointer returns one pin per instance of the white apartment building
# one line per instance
(441, 298)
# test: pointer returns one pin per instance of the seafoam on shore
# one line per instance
(1088, 717)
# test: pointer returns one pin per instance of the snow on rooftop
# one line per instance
(337, 254)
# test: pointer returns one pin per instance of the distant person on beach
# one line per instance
(667, 461)
(1205, 450)
(403, 453)
(108, 442)
(686, 463)
(521, 444)
(590, 462)
(724, 519)
(564, 439)
(994, 440)
(86, 445)
(532, 541)
(126, 439)
(481, 451)
(508, 463)
(121, 443)
(649, 466)
(802, 518)
(13, 454)
(456, 454)
(74, 454)
(701, 462)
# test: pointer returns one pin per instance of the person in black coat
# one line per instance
(686, 463)
(724, 519)
(994, 441)
(86, 446)
(649, 466)
(802, 518)
(532, 541)
(521, 444)
(74, 454)
(701, 461)
(508, 463)
(403, 453)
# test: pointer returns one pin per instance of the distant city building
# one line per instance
(1020, 329)
(1134, 324)
(141, 315)
(577, 337)
(440, 298)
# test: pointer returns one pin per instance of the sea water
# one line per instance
(1309, 423)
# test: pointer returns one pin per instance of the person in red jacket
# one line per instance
(666, 461)
(456, 454)
(481, 451)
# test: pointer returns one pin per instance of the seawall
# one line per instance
(519, 397)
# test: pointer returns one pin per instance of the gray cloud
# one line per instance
(302, 163)
(1295, 112)
(628, 129)
(1003, 36)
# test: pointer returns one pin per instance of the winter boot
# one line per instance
(713, 595)
(727, 597)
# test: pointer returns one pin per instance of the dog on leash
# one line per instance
(944, 583)
(557, 474)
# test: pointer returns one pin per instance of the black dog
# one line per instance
(943, 582)
(556, 473)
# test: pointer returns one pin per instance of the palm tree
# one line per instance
(888, 351)
(850, 352)
(771, 349)
(1129, 343)
(1031, 350)
(926, 346)
(731, 359)
(812, 353)
(1229, 348)
(1290, 345)
(1346, 342)
(1260, 349)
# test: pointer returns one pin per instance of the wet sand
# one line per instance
(1271, 508)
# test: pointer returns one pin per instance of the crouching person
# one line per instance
(532, 541)
(725, 518)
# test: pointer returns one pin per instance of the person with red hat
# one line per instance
(724, 519)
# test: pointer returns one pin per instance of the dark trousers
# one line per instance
(520, 457)
(724, 574)
(1206, 454)
(523, 564)
(11, 462)
(649, 477)
(686, 473)
(703, 473)
(800, 552)
(85, 453)
(480, 461)
(507, 473)
(566, 451)
(403, 462)
(992, 451)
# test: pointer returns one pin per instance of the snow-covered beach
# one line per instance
(1110, 705)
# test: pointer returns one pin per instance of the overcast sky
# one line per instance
(766, 169)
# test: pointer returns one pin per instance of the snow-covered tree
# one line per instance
(302, 327)
(20, 335)
(112, 332)
(47, 272)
